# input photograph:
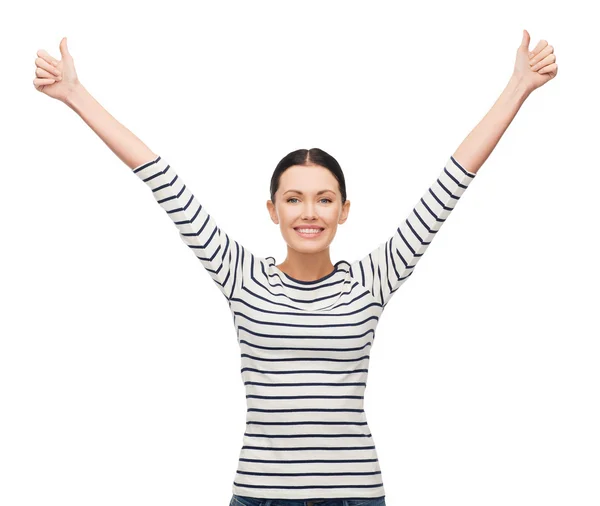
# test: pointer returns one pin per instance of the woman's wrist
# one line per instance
(75, 96)
(518, 87)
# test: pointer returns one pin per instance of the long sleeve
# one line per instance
(220, 256)
(386, 268)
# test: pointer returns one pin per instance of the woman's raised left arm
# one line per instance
(389, 265)
(532, 70)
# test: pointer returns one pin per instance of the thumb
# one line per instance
(64, 50)
(526, 40)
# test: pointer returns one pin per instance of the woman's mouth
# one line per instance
(309, 233)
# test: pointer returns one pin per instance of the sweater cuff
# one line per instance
(150, 167)
(459, 170)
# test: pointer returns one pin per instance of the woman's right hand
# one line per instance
(55, 78)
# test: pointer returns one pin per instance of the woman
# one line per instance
(305, 326)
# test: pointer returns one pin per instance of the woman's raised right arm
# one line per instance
(221, 256)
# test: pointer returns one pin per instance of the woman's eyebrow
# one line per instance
(318, 193)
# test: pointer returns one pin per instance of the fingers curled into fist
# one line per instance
(55, 78)
(540, 58)
(534, 68)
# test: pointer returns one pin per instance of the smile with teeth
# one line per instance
(309, 232)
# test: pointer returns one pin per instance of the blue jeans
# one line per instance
(238, 500)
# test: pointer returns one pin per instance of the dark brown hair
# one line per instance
(313, 156)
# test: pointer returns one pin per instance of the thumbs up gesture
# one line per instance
(55, 78)
(536, 67)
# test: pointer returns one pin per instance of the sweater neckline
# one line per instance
(313, 282)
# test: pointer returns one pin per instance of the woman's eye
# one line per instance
(294, 198)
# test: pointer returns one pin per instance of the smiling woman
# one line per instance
(305, 341)
(305, 327)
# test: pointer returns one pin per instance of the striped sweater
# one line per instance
(305, 344)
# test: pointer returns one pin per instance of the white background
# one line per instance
(119, 366)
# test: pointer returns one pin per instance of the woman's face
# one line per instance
(308, 195)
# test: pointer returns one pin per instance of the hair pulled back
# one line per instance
(313, 156)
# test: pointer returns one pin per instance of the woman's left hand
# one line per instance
(535, 68)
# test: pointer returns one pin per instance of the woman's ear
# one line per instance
(345, 211)
(272, 212)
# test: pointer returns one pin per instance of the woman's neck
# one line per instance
(307, 267)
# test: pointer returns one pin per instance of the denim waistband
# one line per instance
(256, 501)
